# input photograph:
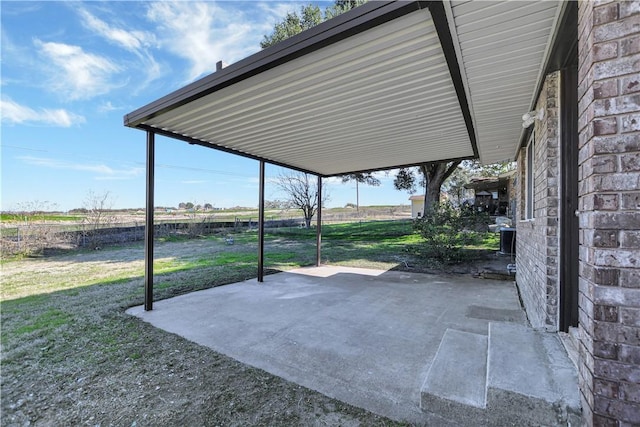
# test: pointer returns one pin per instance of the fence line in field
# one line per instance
(33, 237)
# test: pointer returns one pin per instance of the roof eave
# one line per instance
(565, 29)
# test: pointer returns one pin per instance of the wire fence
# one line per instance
(38, 237)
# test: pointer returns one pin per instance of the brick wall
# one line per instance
(537, 238)
(609, 204)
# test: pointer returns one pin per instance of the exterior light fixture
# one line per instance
(532, 116)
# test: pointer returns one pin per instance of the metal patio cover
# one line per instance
(384, 85)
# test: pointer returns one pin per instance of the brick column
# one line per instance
(609, 191)
(537, 254)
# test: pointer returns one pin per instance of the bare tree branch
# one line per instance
(301, 190)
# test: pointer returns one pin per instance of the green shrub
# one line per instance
(446, 230)
(473, 220)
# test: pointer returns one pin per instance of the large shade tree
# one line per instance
(309, 16)
(429, 175)
(476, 168)
(450, 175)
(292, 24)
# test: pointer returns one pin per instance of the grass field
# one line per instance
(71, 356)
(14, 217)
(128, 215)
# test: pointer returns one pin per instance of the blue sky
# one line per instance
(71, 70)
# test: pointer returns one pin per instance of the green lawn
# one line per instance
(374, 244)
(11, 217)
(69, 350)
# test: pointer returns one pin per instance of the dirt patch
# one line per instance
(161, 380)
(71, 356)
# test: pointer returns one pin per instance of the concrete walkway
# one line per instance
(365, 337)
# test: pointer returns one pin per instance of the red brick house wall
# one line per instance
(537, 255)
(609, 211)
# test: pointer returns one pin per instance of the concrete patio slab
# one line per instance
(365, 337)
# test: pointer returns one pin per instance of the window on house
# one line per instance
(530, 202)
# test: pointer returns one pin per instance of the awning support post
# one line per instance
(261, 226)
(319, 225)
(148, 230)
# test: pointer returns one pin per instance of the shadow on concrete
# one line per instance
(366, 337)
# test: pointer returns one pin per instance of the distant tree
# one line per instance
(292, 24)
(34, 232)
(277, 204)
(99, 215)
(475, 168)
(208, 206)
(361, 178)
(182, 205)
(35, 210)
(189, 205)
(341, 6)
(302, 192)
(308, 17)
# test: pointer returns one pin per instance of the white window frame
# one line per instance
(530, 187)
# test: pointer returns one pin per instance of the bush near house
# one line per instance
(446, 230)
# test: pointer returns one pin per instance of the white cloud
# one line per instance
(75, 73)
(107, 107)
(134, 41)
(332, 180)
(19, 66)
(14, 113)
(19, 8)
(104, 172)
(203, 33)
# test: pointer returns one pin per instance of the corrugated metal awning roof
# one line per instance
(385, 85)
(503, 46)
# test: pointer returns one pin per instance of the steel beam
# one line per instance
(148, 230)
(319, 225)
(261, 225)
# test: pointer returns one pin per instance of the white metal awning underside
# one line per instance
(376, 98)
